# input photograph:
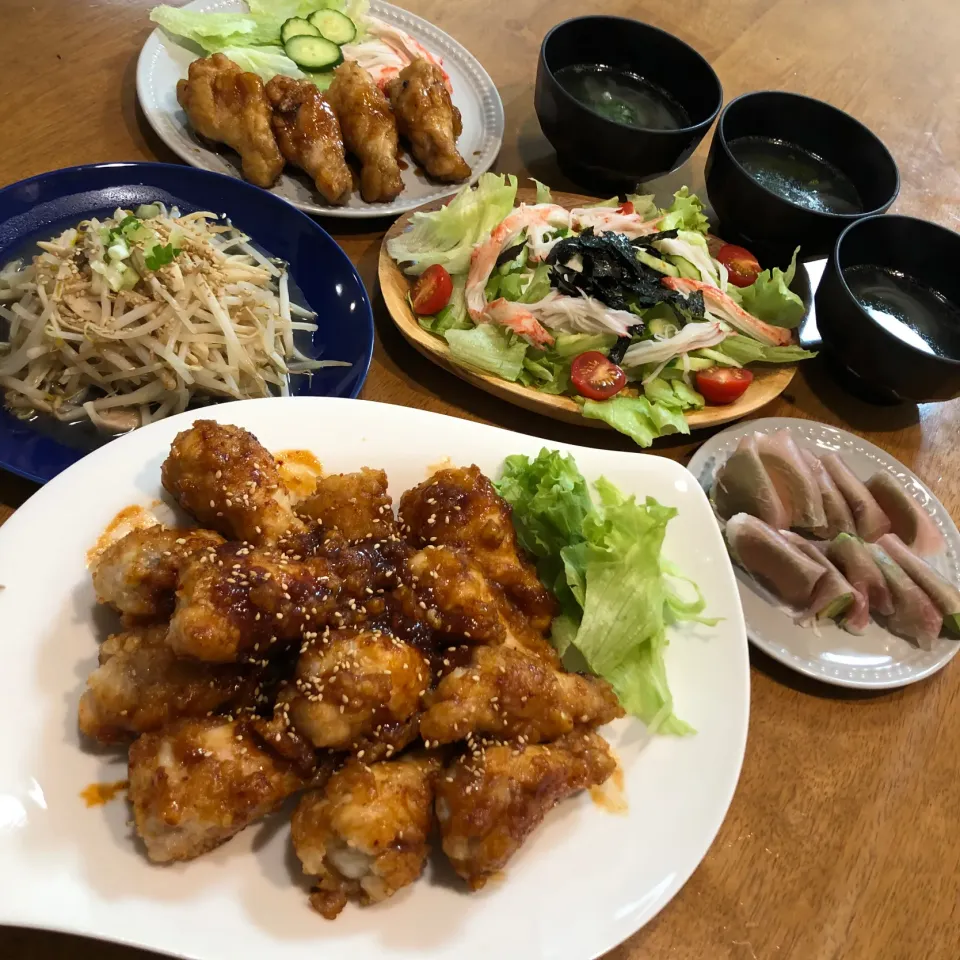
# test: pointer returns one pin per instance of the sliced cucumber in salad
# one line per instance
(334, 26)
(313, 53)
(297, 27)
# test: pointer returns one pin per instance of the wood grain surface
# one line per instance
(842, 840)
(770, 380)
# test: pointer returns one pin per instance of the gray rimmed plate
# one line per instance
(878, 659)
(164, 60)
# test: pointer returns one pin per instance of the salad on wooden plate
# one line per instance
(619, 312)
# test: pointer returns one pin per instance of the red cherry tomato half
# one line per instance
(723, 384)
(595, 377)
(431, 292)
(741, 264)
(627, 207)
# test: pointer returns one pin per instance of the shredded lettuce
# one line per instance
(617, 592)
(685, 213)
(769, 297)
(488, 348)
(448, 235)
(747, 350)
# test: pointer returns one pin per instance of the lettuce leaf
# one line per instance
(637, 417)
(216, 31)
(447, 236)
(769, 297)
(488, 348)
(454, 315)
(685, 213)
(747, 350)
(617, 591)
(543, 191)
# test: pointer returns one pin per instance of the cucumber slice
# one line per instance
(297, 27)
(313, 53)
(334, 25)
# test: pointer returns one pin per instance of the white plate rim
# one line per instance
(737, 709)
(703, 465)
(435, 39)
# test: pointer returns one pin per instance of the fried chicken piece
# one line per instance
(356, 505)
(227, 105)
(236, 601)
(138, 574)
(459, 507)
(309, 136)
(365, 836)
(197, 783)
(369, 131)
(428, 119)
(490, 800)
(351, 684)
(221, 475)
(458, 599)
(141, 686)
(506, 692)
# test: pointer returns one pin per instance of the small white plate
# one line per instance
(584, 882)
(164, 60)
(878, 659)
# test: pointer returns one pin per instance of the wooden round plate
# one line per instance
(769, 381)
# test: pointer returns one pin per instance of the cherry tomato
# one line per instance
(723, 384)
(432, 291)
(595, 377)
(741, 264)
(626, 207)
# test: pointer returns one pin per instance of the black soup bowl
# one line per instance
(766, 222)
(888, 366)
(599, 152)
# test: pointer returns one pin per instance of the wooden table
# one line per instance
(843, 839)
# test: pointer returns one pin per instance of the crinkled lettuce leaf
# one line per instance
(617, 591)
(488, 348)
(685, 213)
(769, 297)
(448, 235)
(216, 31)
(543, 191)
(637, 417)
(747, 350)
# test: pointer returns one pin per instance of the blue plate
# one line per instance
(41, 207)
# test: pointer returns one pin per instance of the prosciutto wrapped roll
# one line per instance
(792, 480)
(945, 596)
(742, 485)
(914, 615)
(839, 518)
(871, 521)
(908, 520)
(851, 556)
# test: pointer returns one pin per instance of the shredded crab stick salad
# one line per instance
(635, 312)
(138, 316)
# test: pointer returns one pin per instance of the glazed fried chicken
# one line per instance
(309, 136)
(369, 131)
(492, 798)
(137, 575)
(229, 106)
(356, 505)
(222, 476)
(141, 686)
(365, 836)
(459, 507)
(237, 601)
(508, 693)
(197, 783)
(427, 118)
(353, 685)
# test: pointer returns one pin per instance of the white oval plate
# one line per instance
(164, 60)
(584, 882)
(878, 659)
